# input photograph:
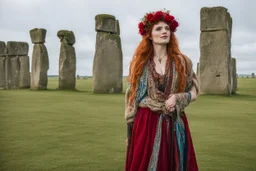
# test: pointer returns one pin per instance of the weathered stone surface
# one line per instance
(117, 27)
(40, 66)
(234, 76)
(37, 35)
(107, 64)
(197, 69)
(215, 62)
(13, 72)
(253, 75)
(2, 48)
(67, 67)
(24, 81)
(215, 18)
(2, 72)
(106, 23)
(67, 36)
(229, 23)
(17, 48)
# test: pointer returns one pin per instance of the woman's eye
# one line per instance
(158, 28)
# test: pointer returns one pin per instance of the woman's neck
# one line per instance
(159, 50)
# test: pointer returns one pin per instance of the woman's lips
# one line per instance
(164, 37)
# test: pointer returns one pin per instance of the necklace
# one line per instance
(160, 58)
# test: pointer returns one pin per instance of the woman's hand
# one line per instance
(126, 141)
(170, 103)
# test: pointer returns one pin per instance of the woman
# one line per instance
(161, 84)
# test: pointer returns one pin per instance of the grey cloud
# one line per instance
(18, 17)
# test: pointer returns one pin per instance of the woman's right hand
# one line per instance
(171, 103)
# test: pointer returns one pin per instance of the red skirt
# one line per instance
(142, 141)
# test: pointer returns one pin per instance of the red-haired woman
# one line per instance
(161, 84)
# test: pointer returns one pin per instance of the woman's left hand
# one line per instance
(171, 103)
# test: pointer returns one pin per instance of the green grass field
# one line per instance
(79, 130)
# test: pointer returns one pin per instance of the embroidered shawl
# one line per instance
(147, 95)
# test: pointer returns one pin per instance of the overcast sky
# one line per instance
(18, 17)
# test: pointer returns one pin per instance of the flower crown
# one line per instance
(153, 17)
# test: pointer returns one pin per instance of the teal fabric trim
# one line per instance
(142, 88)
(189, 97)
(180, 134)
(157, 141)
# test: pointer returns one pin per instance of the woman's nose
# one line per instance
(164, 31)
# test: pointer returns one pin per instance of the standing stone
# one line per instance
(3, 50)
(2, 64)
(215, 60)
(2, 72)
(40, 61)
(215, 18)
(40, 66)
(215, 51)
(24, 80)
(106, 23)
(17, 48)
(253, 75)
(13, 70)
(108, 62)
(234, 75)
(67, 60)
(38, 35)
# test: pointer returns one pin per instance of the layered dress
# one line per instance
(157, 139)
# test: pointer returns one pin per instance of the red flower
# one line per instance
(142, 32)
(168, 18)
(153, 17)
(150, 17)
(141, 25)
(158, 16)
(174, 25)
(142, 28)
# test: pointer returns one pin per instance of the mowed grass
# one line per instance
(79, 130)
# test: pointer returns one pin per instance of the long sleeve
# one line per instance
(182, 99)
(192, 79)
(130, 109)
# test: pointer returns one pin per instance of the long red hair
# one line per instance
(145, 51)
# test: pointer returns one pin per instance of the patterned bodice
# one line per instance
(161, 81)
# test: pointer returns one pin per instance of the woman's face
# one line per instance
(160, 33)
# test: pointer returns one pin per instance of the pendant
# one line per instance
(160, 60)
